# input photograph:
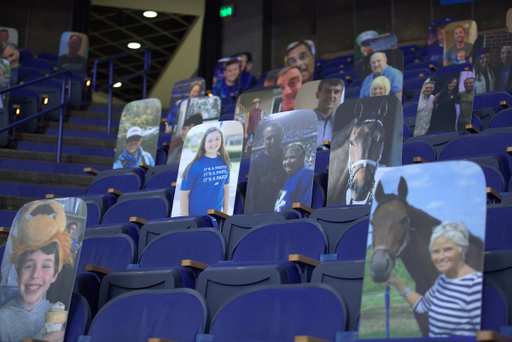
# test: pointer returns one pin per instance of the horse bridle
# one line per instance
(363, 163)
(393, 256)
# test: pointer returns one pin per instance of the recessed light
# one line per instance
(150, 14)
(117, 85)
(133, 45)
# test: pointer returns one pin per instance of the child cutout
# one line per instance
(228, 86)
(461, 57)
(205, 183)
(40, 249)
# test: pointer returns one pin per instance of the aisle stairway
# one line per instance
(29, 172)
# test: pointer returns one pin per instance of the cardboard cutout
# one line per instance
(449, 107)
(138, 134)
(73, 52)
(252, 107)
(208, 171)
(459, 39)
(383, 42)
(509, 20)
(437, 35)
(226, 79)
(39, 267)
(302, 55)
(191, 113)
(282, 162)
(383, 74)
(492, 54)
(5, 81)
(11, 35)
(323, 97)
(427, 222)
(367, 134)
(181, 91)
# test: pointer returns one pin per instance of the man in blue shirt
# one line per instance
(379, 64)
(133, 154)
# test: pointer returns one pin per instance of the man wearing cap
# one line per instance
(437, 29)
(302, 55)
(252, 119)
(379, 65)
(503, 71)
(133, 154)
(450, 57)
(362, 40)
(329, 96)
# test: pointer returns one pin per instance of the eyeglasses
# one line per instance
(308, 42)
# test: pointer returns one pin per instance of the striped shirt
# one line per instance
(453, 305)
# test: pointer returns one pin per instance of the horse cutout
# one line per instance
(39, 268)
(401, 230)
(254, 105)
(359, 146)
(138, 134)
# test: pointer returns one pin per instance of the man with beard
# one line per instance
(450, 56)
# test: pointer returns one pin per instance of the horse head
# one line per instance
(366, 144)
(391, 226)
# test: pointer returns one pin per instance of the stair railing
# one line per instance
(111, 82)
(65, 99)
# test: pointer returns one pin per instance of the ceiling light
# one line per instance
(133, 45)
(150, 14)
(117, 85)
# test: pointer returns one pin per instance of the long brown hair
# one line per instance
(201, 151)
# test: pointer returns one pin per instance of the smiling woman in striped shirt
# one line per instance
(454, 302)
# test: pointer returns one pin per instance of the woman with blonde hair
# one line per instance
(380, 86)
(454, 302)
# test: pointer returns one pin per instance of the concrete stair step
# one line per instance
(51, 157)
(80, 127)
(67, 140)
(67, 149)
(49, 179)
(14, 203)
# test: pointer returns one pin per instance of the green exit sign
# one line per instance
(227, 11)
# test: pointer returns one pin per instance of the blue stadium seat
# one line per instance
(416, 73)
(337, 221)
(279, 313)
(437, 140)
(177, 315)
(237, 226)
(130, 229)
(498, 276)
(41, 64)
(491, 100)
(97, 206)
(153, 229)
(30, 104)
(502, 119)
(412, 149)
(448, 69)
(79, 318)
(114, 252)
(125, 180)
(432, 65)
(161, 176)
(145, 204)
(346, 277)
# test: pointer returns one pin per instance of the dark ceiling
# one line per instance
(110, 31)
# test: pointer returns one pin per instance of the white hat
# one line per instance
(365, 36)
(134, 131)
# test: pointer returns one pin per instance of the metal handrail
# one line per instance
(63, 104)
(110, 85)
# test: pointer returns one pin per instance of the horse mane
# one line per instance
(341, 136)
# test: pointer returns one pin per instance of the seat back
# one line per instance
(161, 176)
(97, 206)
(205, 245)
(279, 313)
(237, 226)
(79, 318)
(502, 119)
(276, 240)
(177, 315)
(336, 221)
(346, 277)
(125, 180)
(148, 205)
(153, 229)
(413, 149)
(498, 274)
(114, 251)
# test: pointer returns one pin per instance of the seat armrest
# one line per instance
(492, 194)
(115, 192)
(308, 339)
(98, 269)
(303, 259)
(489, 335)
(194, 264)
(504, 104)
(138, 220)
(419, 160)
(144, 166)
(52, 196)
(472, 129)
(326, 143)
(302, 209)
(91, 171)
